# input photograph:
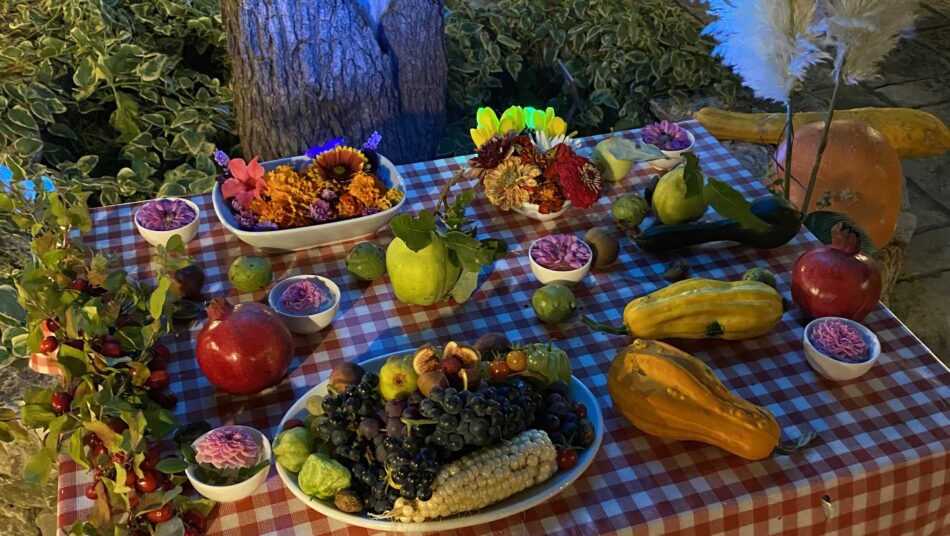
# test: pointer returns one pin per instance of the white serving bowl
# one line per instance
(314, 235)
(565, 277)
(305, 324)
(241, 490)
(160, 238)
(532, 211)
(832, 368)
(673, 158)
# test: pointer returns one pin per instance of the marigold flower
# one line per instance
(288, 199)
(349, 206)
(367, 188)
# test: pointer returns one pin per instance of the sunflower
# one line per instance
(509, 185)
(340, 163)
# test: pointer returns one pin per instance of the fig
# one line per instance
(425, 359)
(451, 366)
(343, 375)
(397, 379)
(471, 378)
(492, 344)
(466, 355)
(428, 380)
(188, 282)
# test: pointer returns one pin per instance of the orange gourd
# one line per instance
(860, 170)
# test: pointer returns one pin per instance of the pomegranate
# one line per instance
(836, 280)
(243, 349)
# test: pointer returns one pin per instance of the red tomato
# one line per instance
(61, 402)
(158, 379)
(111, 349)
(566, 459)
(499, 370)
(148, 483)
(48, 345)
(91, 492)
(162, 514)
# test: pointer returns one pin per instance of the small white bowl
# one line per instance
(160, 238)
(832, 368)
(302, 323)
(565, 277)
(532, 211)
(241, 490)
(674, 158)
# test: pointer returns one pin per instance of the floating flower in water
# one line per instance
(508, 185)
(321, 211)
(562, 252)
(340, 163)
(491, 153)
(246, 182)
(313, 152)
(666, 136)
(165, 214)
(221, 158)
(228, 447)
(579, 180)
(839, 340)
(301, 297)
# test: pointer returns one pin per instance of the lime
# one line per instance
(553, 303)
(366, 261)
(761, 275)
(629, 209)
(249, 273)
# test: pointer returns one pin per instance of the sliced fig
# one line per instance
(425, 359)
(428, 380)
(468, 355)
(471, 378)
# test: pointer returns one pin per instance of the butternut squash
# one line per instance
(700, 308)
(912, 133)
(671, 394)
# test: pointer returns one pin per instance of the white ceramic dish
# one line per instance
(531, 210)
(313, 235)
(565, 277)
(673, 158)
(305, 324)
(832, 368)
(512, 505)
(160, 238)
(241, 490)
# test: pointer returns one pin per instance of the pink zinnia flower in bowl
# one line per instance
(246, 182)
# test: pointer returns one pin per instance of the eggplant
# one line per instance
(783, 219)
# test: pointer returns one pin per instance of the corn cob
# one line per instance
(484, 477)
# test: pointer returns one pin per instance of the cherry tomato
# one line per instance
(61, 402)
(580, 410)
(108, 338)
(97, 476)
(157, 363)
(79, 284)
(130, 478)
(162, 514)
(516, 360)
(566, 459)
(148, 483)
(499, 371)
(195, 519)
(91, 440)
(118, 458)
(97, 451)
(133, 501)
(48, 345)
(111, 349)
(158, 379)
(152, 456)
(91, 492)
(50, 325)
(293, 423)
(191, 531)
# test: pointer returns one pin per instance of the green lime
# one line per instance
(553, 303)
(629, 209)
(249, 273)
(366, 261)
(761, 275)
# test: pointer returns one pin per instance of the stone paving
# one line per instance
(916, 75)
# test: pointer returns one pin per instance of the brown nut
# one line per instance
(425, 359)
(468, 355)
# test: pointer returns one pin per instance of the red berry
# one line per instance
(161, 351)
(111, 349)
(157, 363)
(61, 402)
(293, 423)
(48, 345)
(119, 458)
(79, 284)
(580, 410)
(91, 440)
(499, 370)
(566, 459)
(133, 501)
(91, 492)
(148, 483)
(99, 450)
(152, 456)
(51, 325)
(191, 531)
(196, 520)
(162, 514)
(118, 426)
(97, 476)
(158, 379)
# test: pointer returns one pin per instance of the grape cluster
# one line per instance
(566, 423)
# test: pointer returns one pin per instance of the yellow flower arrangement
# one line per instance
(288, 198)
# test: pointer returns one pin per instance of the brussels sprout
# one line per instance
(291, 447)
(322, 476)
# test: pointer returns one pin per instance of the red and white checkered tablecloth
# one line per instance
(879, 465)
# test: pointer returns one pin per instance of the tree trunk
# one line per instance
(305, 71)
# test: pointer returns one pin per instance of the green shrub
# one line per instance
(119, 96)
(621, 53)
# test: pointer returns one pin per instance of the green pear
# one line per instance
(670, 202)
(421, 277)
(612, 168)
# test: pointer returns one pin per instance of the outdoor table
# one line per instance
(879, 463)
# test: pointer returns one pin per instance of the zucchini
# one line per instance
(783, 219)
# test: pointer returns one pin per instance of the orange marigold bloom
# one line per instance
(287, 199)
(349, 206)
(391, 199)
(367, 188)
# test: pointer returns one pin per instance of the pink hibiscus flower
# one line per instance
(246, 182)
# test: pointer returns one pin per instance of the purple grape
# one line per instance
(395, 427)
(411, 412)
(394, 408)
(414, 398)
(369, 427)
(381, 453)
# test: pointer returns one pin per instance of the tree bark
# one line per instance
(305, 71)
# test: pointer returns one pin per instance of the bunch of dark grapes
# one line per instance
(566, 423)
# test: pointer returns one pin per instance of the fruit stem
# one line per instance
(589, 322)
(219, 309)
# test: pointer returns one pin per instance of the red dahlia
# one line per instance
(579, 180)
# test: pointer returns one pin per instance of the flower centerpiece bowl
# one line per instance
(311, 236)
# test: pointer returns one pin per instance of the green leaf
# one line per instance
(731, 204)
(36, 415)
(172, 527)
(172, 465)
(151, 70)
(52, 435)
(161, 422)
(74, 448)
(471, 255)
(624, 149)
(820, 223)
(466, 285)
(85, 75)
(193, 138)
(415, 232)
(156, 302)
(11, 312)
(21, 116)
(693, 176)
(27, 146)
(188, 115)
(125, 117)
(38, 467)
(109, 438)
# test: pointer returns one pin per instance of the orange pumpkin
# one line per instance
(860, 171)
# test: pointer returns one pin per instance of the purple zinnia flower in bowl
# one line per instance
(231, 463)
(302, 297)
(667, 136)
(160, 219)
(321, 211)
(560, 258)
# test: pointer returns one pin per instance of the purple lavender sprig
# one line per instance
(373, 141)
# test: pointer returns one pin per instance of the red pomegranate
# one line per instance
(243, 349)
